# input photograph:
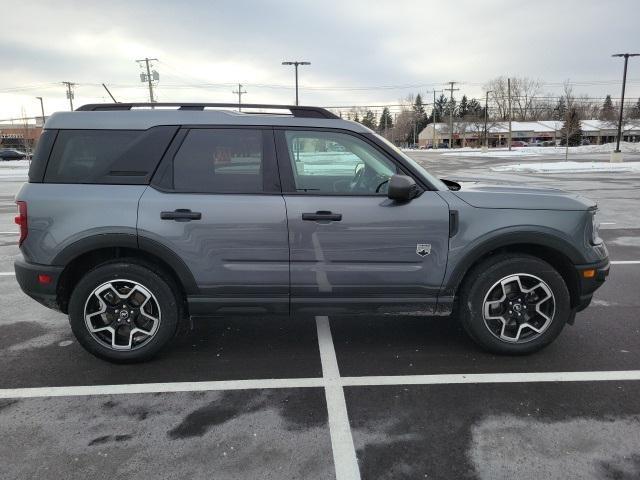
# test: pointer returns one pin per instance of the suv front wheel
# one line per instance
(124, 311)
(514, 304)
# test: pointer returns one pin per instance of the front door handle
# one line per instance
(181, 215)
(322, 215)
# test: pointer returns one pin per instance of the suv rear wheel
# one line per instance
(514, 304)
(124, 311)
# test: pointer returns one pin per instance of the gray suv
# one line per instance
(137, 220)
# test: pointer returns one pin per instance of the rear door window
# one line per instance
(221, 160)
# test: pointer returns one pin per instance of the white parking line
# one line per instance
(370, 381)
(625, 262)
(133, 388)
(7, 274)
(344, 453)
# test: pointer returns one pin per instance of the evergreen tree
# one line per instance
(356, 118)
(450, 107)
(560, 110)
(571, 128)
(635, 111)
(463, 108)
(439, 108)
(419, 113)
(475, 109)
(369, 120)
(607, 112)
(386, 121)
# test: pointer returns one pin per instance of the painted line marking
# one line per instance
(173, 387)
(625, 262)
(7, 274)
(367, 381)
(607, 223)
(344, 452)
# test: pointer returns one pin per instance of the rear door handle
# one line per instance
(322, 215)
(181, 215)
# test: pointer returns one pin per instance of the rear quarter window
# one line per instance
(107, 156)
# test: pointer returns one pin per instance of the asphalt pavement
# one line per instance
(376, 398)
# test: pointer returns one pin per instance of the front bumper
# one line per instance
(588, 285)
(45, 293)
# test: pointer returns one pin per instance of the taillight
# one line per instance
(21, 220)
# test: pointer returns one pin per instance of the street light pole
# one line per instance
(486, 110)
(624, 84)
(41, 108)
(296, 64)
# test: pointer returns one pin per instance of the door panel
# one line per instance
(237, 251)
(216, 202)
(369, 258)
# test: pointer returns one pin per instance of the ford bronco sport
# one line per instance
(136, 219)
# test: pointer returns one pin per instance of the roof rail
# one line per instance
(296, 111)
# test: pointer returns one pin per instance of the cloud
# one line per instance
(354, 43)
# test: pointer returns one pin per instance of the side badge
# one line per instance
(423, 249)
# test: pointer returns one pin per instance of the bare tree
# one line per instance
(523, 97)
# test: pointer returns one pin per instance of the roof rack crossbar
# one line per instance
(296, 110)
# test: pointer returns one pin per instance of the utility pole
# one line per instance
(70, 86)
(451, 90)
(433, 142)
(509, 104)
(239, 92)
(296, 63)
(624, 84)
(149, 77)
(41, 108)
(486, 114)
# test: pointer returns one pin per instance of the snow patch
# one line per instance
(569, 167)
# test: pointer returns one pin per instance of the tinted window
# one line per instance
(337, 163)
(81, 156)
(220, 161)
(41, 155)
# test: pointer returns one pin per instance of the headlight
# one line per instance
(595, 229)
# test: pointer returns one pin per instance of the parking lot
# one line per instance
(321, 398)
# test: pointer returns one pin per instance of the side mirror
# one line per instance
(402, 188)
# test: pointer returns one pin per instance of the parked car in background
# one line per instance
(12, 154)
(518, 143)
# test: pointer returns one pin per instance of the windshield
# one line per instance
(436, 182)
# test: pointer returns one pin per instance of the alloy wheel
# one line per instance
(519, 308)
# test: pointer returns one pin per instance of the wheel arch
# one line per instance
(559, 253)
(83, 255)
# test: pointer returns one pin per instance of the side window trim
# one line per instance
(286, 169)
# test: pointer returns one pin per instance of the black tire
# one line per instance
(150, 278)
(480, 281)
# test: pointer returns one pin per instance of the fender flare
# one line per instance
(135, 242)
(535, 236)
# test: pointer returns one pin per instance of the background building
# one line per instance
(471, 134)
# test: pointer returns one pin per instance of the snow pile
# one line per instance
(14, 169)
(522, 152)
(626, 147)
(569, 167)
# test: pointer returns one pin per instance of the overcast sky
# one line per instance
(362, 52)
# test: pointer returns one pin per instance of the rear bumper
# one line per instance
(27, 277)
(589, 285)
